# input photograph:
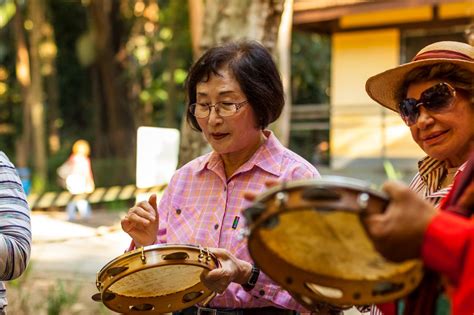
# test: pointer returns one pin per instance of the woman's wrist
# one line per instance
(245, 271)
(146, 243)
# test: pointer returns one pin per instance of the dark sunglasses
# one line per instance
(437, 98)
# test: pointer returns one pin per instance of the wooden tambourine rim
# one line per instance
(293, 279)
(153, 255)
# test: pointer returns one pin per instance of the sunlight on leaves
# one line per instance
(180, 76)
(3, 88)
(7, 11)
(144, 96)
(142, 53)
(162, 95)
(166, 33)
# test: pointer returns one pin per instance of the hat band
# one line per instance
(445, 54)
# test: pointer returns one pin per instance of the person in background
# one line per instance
(434, 95)
(412, 228)
(15, 227)
(234, 92)
(79, 179)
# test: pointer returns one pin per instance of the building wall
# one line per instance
(363, 134)
(360, 128)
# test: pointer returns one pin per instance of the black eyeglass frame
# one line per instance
(408, 108)
(237, 106)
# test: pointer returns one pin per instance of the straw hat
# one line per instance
(383, 87)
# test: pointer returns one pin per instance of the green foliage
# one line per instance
(59, 298)
(7, 11)
(10, 97)
(165, 56)
(391, 172)
(18, 282)
(310, 66)
(118, 205)
(152, 65)
(70, 22)
(310, 62)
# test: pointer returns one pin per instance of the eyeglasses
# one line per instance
(224, 109)
(437, 98)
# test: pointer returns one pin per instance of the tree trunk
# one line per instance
(51, 86)
(23, 76)
(170, 106)
(117, 120)
(229, 20)
(281, 127)
(40, 175)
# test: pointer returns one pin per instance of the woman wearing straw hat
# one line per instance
(434, 95)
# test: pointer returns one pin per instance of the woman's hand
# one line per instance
(142, 222)
(398, 232)
(232, 269)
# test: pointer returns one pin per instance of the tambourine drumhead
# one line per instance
(307, 236)
(155, 279)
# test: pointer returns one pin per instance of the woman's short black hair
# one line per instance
(255, 71)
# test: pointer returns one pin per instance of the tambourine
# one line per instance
(155, 279)
(307, 236)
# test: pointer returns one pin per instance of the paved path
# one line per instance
(61, 246)
(72, 254)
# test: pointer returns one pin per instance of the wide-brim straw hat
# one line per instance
(384, 86)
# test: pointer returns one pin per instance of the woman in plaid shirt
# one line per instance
(234, 92)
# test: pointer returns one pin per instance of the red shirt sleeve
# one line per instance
(449, 249)
(446, 242)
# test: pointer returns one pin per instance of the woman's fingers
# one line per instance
(142, 215)
(216, 280)
(152, 202)
(142, 210)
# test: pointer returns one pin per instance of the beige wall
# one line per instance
(360, 128)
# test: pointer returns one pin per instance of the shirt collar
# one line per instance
(268, 157)
(432, 172)
(428, 164)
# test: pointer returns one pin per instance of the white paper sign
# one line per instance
(157, 155)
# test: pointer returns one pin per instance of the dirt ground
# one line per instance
(66, 256)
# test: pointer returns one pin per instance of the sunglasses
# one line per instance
(436, 99)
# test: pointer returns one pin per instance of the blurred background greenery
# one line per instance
(98, 70)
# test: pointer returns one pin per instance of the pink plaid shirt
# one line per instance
(200, 206)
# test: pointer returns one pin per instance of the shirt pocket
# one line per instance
(184, 223)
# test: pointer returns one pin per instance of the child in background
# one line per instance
(79, 180)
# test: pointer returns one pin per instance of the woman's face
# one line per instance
(232, 134)
(446, 135)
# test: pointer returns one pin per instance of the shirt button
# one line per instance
(216, 226)
(261, 292)
(178, 211)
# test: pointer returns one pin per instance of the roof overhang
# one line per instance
(324, 16)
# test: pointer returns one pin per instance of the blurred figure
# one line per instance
(412, 228)
(79, 180)
(15, 227)
(321, 154)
